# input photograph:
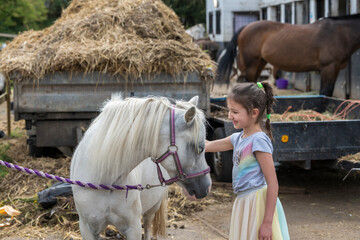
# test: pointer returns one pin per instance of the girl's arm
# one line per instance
(267, 166)
(220, 145)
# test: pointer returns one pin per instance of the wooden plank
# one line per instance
(2, 98)
(8, 35)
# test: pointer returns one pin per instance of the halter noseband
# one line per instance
(172, 150)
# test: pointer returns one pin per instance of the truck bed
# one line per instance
(315, 140)
(304, 141)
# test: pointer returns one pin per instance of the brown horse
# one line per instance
(324, 46)
(209, 46)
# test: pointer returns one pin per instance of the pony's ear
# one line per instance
(190, 115)
(194, 100)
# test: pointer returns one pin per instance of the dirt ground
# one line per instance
(318, 205)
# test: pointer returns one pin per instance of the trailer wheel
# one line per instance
(222, 161)
(36, 152)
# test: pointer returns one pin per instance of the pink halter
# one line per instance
(172, 150)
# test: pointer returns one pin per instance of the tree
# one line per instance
(19, 15)
(190, 12)
(54, 8)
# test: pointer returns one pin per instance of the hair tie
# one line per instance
(260, 85)
(268, 116)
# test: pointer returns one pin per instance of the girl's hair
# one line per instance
(251, 96)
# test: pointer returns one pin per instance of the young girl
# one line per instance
(257, 212)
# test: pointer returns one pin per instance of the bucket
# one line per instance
(281, 83)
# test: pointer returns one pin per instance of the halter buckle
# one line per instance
(172, 148)
(183, 176)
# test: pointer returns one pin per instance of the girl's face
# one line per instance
(239, 115)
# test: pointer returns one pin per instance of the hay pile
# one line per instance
(128, 38)
(351, 158)
(302, 115)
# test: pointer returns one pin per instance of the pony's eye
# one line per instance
(200, 149)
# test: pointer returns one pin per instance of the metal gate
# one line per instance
(242, 19)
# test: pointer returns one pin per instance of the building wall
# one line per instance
(309, 11)
(227, 9)
(301, 12)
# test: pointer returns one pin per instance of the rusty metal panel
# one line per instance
(58, 133)
(62, 92)
(355, 76)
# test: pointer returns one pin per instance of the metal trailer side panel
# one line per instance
(309, 140)
(59, 105)
(315, 140)
(62, 92)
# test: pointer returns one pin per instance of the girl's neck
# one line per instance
(248, 131)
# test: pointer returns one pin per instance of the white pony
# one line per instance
(126, 132)
(2, 83)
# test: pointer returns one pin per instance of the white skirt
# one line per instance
(247, 216)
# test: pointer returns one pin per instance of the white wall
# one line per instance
(312, 11)
(227, 8)
(355, 6)
(263, 3)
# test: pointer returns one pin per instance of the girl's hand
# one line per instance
(265, 231)
(219, 145)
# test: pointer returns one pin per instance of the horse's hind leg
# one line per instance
(261, 66)
(328, 78)
(253, 70)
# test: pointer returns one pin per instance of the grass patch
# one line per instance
(4, 147)
(17, 133)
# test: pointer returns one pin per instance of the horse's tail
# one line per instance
(160, 219)
(226, 61)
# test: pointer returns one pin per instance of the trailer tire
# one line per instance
(36, 152)
(222, 161)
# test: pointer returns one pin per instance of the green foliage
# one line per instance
(190, 12)
(54, 8)
(17, 133)
(4, 147)
(19, 15)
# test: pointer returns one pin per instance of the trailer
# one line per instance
(58, 108)
(299, 142)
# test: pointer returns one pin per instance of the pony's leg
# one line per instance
(87, 233)
(132, 230)
(91, 208)
(328, 77)
(148, 217)
(127, 218)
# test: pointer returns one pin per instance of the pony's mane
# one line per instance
(345, 17)
(126, 132)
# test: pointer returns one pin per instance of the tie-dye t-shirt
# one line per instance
(247, 172)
